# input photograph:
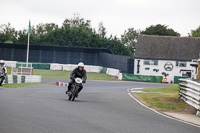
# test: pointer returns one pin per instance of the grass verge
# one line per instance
(16, 85)
(168, 100)
(54, 74)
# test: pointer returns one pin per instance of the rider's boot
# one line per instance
(68, 90)
(1, 83)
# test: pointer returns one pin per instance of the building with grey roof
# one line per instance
(166, 55)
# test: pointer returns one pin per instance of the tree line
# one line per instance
(77, 32)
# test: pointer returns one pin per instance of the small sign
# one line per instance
(168, 66)
(61, 84)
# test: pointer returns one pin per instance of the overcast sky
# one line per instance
(117, 15)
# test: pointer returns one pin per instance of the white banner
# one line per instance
(112, 72)
(56, 66)
(10, 63)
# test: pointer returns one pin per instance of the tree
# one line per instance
(161, 30)
(74, 32)
(195, 33)
(7, 33)
(129, 38)
(101, 30)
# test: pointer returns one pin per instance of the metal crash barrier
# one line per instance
(190, 93)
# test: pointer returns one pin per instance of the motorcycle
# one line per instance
(75, 87)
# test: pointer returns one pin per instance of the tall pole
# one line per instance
(27, 51)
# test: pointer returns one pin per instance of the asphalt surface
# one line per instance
(102, 107)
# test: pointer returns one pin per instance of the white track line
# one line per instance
(159, 112)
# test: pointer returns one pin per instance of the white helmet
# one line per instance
(80, 64)
(2, 61)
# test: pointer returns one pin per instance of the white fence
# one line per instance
(10, 63)
(63, 67)
(56, 66)
(88, 68)
(190, 93)
(22, 79)
(113, 72)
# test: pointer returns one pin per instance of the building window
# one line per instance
(180, 63)
(150, 62)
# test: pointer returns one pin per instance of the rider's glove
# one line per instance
(84, 81)
(71, 78)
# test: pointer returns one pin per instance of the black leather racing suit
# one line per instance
(3, 72)
(76, 73)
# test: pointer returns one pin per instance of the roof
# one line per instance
(167, 47)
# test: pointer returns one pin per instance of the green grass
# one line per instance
(54, 74)
(8, 70)
(168, 100)
(16, 85)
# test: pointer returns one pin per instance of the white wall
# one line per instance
(113, 72)
(88, 68)
(28, 78)
(10, 63)
(175, 71)
(55, 66)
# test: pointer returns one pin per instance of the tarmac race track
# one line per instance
(102, 107)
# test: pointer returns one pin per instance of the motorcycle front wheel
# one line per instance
(75, 93)
(73, 98)
(70, 96)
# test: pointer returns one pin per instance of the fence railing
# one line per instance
(23, 69)
(190, 93)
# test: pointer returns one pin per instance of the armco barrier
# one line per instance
(56, 66)
(88, 68)
(142, 78)
(35, 65)
(69, 67)
(22, 79)
(96, 69)
(10, 63)
(104, 69)
(41, 66)
(112, 72)
(190, 93)
(120, 76)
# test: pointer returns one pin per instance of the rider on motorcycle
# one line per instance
(3, 71)
(78, 72)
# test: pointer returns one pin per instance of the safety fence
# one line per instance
(66, 55)
(91, 68)
(142, 78)
(34, 65)
(64, 67)
(22, 79)
(190, 93)
(176, 79)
